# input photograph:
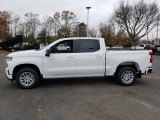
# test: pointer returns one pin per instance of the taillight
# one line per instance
(151, 56)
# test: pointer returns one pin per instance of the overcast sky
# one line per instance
(101, 9)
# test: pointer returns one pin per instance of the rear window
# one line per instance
(87, 46)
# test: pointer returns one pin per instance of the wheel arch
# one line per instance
(134, 65)
(19, 67)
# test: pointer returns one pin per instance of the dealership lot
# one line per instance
(82, 99)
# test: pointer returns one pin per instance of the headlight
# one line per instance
(8, 58)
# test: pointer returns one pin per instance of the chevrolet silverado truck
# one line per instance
(87, 57)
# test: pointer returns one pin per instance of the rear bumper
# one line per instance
(8, 75)
(148, 70)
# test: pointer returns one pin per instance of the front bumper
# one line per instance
(9, 76)
(148, 70)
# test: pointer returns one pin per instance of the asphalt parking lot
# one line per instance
(82, 99)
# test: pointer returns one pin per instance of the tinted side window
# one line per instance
(63, 47)
(87, 46)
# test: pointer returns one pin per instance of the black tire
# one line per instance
(27, 76)
(126, 76)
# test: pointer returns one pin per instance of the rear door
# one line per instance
(90, 60)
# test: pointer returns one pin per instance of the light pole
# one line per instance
(88, 19)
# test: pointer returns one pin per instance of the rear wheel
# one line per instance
(126, 76)
(27, 78)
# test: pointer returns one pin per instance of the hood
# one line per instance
(24, 53)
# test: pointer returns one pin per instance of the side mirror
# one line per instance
(48, 51)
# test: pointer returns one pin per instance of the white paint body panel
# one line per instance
(99, 63)
(59, 65)
(115, 58)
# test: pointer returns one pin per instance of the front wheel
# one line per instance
(126, 76)
(27, 78)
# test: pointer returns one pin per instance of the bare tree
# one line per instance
(64, 23)
(107, 32)
(48, 25)
(80, 30)
(26, 28)
(16, 24)
(138, 19)
(31, 24)
(47, 29)
(92, 32)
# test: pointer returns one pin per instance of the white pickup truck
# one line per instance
(84, 57)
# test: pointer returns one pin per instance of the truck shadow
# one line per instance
(77, 81)
(109, 81)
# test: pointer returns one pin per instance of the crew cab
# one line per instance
(82, 57)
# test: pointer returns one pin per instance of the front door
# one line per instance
(61, 62)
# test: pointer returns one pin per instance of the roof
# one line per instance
(80, 38)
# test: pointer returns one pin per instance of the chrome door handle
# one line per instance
(98, 56)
